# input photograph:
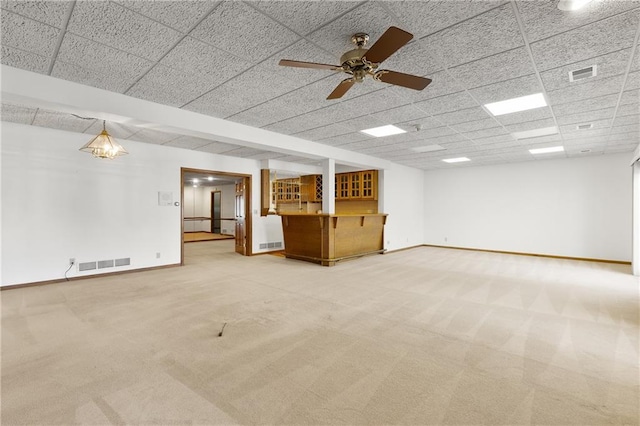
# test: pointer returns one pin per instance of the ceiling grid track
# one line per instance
(185, 35)
(63, 31)
(634, 50)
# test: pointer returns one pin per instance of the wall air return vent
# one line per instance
(126, 261)
(105, 264)
(583, 73)
(586, 126)
(86, 266)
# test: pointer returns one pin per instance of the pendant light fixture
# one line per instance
(104, 146)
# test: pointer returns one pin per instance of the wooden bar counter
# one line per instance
(328, 238)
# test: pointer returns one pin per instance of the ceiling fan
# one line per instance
(361, 62)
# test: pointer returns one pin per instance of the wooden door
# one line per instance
(241, 237)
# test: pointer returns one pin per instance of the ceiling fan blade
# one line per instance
(300, 64)
(341, 89)
(404, 80)
(392, 40)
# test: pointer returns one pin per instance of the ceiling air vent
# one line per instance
(583, 73)
(584, 126)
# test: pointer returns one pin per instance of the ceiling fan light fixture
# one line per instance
(382, 131)
(104, 145)
(523, 103)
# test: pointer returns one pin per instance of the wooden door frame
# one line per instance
(247, 206)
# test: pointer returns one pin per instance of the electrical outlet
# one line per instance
(445, 239)
(158, 255)
(72, 261)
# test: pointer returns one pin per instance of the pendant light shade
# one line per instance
(104, 146)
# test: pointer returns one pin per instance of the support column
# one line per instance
(328, 186)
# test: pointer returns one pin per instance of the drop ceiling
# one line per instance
(221, 59)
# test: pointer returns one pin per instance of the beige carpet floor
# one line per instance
(423, 336)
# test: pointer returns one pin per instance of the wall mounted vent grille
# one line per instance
(277, 244)
(123, 262)
(86, 266)
(105, 264)
(583, 73)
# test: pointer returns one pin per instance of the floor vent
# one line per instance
(584, 126)
(105, 264)
(583, 73)
(86, 266)
(126, 261)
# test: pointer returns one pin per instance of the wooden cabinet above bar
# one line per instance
(329, 238)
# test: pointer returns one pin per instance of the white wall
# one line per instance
(402, 197)
(60, 203)
(577, 207)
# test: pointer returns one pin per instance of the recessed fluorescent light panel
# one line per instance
(428, 148)
(456, 160)
(523, 103)
(547, 150)
(569, 5)
(387, 130)
(536, 133)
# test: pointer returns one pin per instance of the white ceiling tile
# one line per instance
(462, 116)
(60, 120)
(17, 114)
(586, 42)
(305, 16)
(370, 18)
(486, 133)
(629, 109)
(542, 19)
(24, 60)
(630, 97)
(216, 147)
(381, 100)
(324, 132)
(472, 126)
(424, 18)
(514, 88)
(594, 134)
(28, 35)
(191, 55)
(633, 81)
(623, 137)
(506, 138)
(485, 35)
(627, 119)
(188, 142)
(586, 117)
(628, 128)
(262, 82)
(170, 86)
(345, 139)
(492, 69)
(608, 65)
(87, 77)
(179, 15)
(116, 26)
(570, 130)
(414, 58)
(252, 34)
(586, 105)
(48, 12)
(448, 103)
(153, 136)
(586, 90)
(522, 116)
(623, 148)
(401, 114)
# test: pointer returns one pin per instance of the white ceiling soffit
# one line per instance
(220, 59)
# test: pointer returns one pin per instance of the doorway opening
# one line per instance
(215, 206)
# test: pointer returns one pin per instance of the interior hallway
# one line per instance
(421, 336)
